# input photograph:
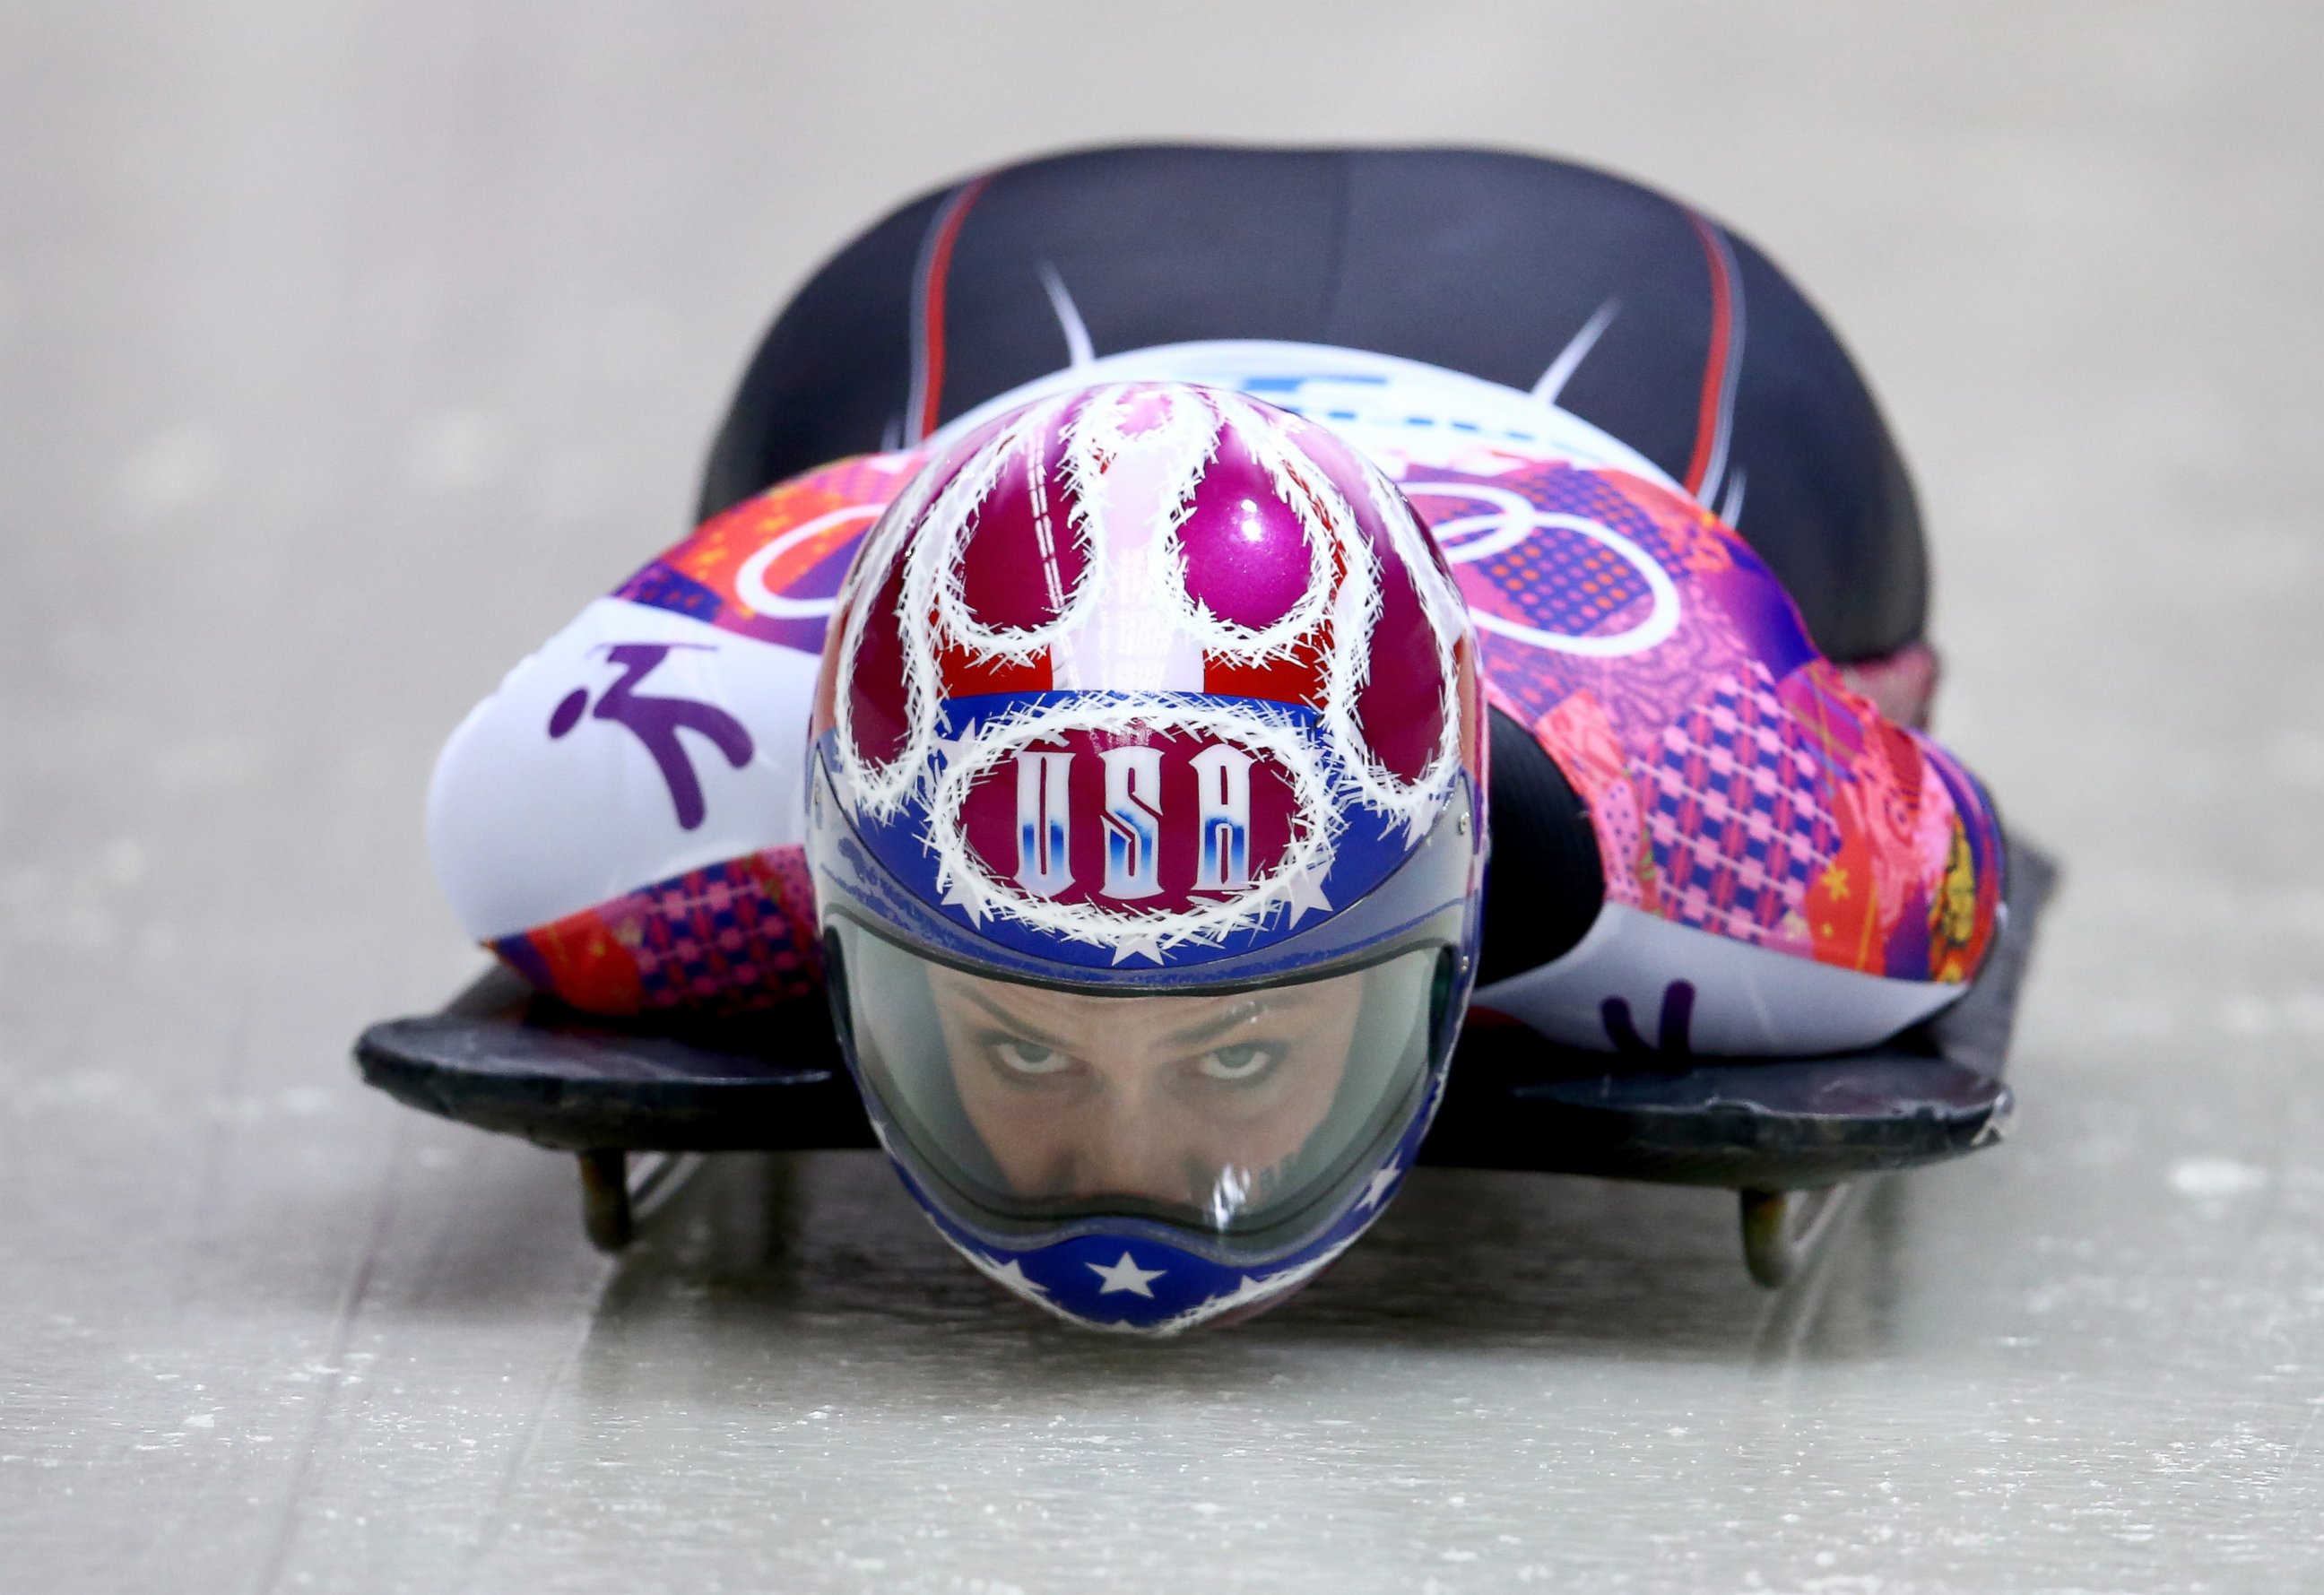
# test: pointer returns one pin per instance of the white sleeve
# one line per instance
(559, 791)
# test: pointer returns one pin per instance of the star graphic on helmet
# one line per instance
(1142, 943)
(844, 786)
(1380, 1181)
(1307, 892)
(951, 750)
(961, 890)
(1125, 1275)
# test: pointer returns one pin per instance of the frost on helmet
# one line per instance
(1148, 674)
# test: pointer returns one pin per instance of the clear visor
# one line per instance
(1230, 1112)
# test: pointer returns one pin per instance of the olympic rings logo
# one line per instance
(750, 580)
(1512, 520)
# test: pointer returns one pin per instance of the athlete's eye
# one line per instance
(1030, 1057)
(1242, 1063)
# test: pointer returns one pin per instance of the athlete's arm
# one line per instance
(620, 821)
(1780, 868)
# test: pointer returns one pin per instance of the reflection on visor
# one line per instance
(1225, 1112)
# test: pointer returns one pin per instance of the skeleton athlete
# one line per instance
(1153, 677)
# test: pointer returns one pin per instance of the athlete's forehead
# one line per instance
(1176, 1018)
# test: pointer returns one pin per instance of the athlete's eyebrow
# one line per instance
(1024, 1027)
(1242, 1013)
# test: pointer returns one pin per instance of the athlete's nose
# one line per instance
(1131, 1153)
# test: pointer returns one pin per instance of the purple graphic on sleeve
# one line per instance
(657, 721)
(1672, 1040)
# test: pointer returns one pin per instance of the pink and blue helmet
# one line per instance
(1148, 832)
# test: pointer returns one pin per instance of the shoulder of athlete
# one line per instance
(654, 748)
(1738, 783)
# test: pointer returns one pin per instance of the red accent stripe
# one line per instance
(932, 335)
(1714, 364)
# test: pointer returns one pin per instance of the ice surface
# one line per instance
(345, 352)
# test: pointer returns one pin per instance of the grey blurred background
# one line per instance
(346, 350)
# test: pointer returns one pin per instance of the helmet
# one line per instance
(1148, 831)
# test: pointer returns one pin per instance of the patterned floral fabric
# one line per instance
(732, 937)
(1737, 784)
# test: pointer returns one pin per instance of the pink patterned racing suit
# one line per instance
(1784, 870)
